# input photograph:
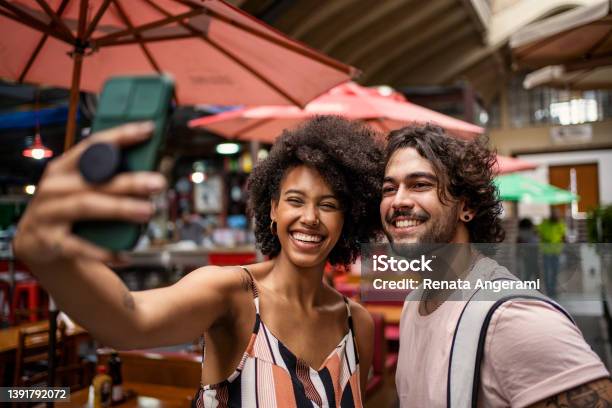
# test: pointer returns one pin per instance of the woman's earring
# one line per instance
(273, 227)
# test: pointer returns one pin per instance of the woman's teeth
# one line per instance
(306, 237)
(407, 223)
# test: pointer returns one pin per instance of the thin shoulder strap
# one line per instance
(253, 286)
(351, 328)
(348, 312)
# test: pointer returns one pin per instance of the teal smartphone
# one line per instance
(124, 100)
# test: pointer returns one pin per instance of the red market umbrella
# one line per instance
(216, 53)
(353, 101)
(506, 164)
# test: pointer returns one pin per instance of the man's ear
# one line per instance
(466, 214)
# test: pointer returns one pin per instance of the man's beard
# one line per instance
(439, 231)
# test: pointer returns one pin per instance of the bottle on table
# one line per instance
(102, 388)
(114, 369)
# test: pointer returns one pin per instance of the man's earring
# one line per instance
(273, 227)
(467, 218)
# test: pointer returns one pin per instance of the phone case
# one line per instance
(124, 100)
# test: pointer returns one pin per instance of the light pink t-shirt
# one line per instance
(532, 352)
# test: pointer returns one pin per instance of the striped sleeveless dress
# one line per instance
(270, 375)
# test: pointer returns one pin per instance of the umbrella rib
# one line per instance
(291, 44)
(39, 46)
(147, 40)
(203, 35)
(26, 19)
(234, 58)
(55, 18)
(96, 19)
(137, 36)
(248, 128)
(108, 39)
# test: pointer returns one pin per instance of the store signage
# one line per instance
(571, 134)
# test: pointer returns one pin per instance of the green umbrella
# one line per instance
(516, 187)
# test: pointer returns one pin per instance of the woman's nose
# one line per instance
(310, 215)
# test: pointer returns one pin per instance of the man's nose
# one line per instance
(403, 198)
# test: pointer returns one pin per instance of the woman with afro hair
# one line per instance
(275, 334)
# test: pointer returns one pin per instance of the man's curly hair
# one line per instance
(465, 170)
(345, 153)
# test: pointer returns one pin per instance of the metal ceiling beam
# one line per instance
(402, 52)
(387, 38)
(398, 69)
(322, 16)
(385, 12)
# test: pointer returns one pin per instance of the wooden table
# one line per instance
(392, 313)
(9, 338)
(147, 395)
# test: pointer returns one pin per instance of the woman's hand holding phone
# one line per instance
(63, 197)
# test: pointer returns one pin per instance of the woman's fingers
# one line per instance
(125, 135)
(73, 247)
(141, 183)
(92, 205)
(135, 184)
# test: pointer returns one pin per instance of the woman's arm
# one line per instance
(364, 335)
(74, 271)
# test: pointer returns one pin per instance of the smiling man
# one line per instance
(439, 189)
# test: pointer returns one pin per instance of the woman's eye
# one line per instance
(331, 206)
(294, 200)
(388, 190)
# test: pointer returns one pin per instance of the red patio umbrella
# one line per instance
(216, 53)
(351, 100)
(506, 164)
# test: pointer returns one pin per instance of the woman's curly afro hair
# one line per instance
(464, 170)
(346, 155)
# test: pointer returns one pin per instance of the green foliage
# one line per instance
(599, 224)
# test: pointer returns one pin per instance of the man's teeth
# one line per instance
(306, 237)
(407, 223)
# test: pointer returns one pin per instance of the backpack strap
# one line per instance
(467, 348)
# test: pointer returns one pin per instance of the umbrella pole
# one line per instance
(53, 312)
(74, 99)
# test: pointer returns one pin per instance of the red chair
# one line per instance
(5, 303)
(231, 258)
(26, 296)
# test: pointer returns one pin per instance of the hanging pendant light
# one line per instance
(37, 150)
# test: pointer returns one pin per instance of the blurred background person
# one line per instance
(552, 237)
(527, 249)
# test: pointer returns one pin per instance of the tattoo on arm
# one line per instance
(596, 394)
(128, 300)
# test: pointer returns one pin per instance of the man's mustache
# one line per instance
(420, 216)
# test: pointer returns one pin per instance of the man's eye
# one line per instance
(421, 185)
